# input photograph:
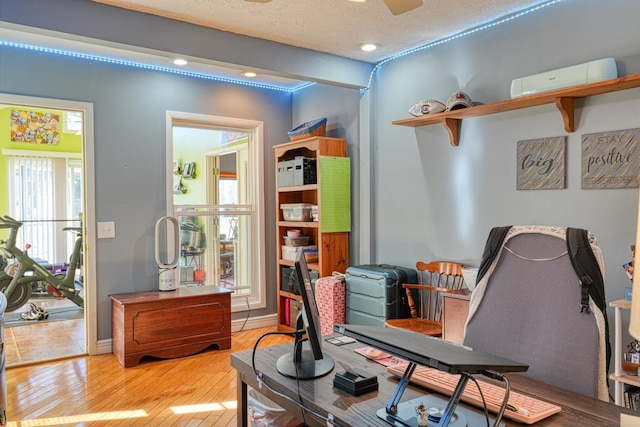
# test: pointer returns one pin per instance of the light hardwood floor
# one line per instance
(42, 340)
(46, 341)
(198, 390)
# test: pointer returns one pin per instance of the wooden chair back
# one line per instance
(434, 278)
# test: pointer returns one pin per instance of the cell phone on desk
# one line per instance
(340, 340)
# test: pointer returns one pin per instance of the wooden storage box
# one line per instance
(169, 324)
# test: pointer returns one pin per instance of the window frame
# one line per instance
(257, 298)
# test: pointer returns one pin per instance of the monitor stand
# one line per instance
(441, 412)
(302, 364)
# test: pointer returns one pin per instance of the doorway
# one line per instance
(49, 187)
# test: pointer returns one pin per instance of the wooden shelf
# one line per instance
(621, 303)
(288, 263)
(307, 187)
(298, 224)
(290, 295)
(626, 379)
(563, 99)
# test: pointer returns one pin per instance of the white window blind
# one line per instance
(31, 196)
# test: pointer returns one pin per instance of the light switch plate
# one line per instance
(106, 230)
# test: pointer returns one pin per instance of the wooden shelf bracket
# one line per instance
(565, 105)
(453, 128)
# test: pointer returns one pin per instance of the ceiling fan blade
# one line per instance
(401, 6)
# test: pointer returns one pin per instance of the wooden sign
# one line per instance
(541, 163)
(611, 159)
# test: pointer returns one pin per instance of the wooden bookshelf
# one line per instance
(333, 247)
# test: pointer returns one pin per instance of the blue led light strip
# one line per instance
(213, 77)
(459, 35)
(146, 66)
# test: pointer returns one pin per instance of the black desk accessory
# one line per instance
(422, 349)
(355, 384)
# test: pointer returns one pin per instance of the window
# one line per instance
(215, 168)
(45, 191)
(72, 122)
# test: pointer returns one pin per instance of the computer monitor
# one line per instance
(306, 363)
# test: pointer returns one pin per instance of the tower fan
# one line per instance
(167, 270)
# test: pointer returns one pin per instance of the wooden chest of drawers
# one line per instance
(169, 324)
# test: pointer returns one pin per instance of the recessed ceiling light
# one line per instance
(180, 61)
(249, 74)
(358, 1)
(368, 47)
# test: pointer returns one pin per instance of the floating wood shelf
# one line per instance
(563, 98)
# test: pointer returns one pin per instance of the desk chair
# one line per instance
(526, 307)
(433, 279)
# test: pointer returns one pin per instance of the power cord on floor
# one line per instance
(261, 382)
(245, 319)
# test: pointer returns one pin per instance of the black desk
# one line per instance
(321, 396)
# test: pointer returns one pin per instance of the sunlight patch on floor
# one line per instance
(204, 407)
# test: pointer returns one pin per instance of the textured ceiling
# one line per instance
(334, 26)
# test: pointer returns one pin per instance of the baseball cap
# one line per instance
(427, 106)
(458, 100)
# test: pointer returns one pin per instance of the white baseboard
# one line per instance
(105, 346)
(254, 322)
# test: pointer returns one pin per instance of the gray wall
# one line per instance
(129, 109)
(129, 112)
(340, 106)
(435, 201)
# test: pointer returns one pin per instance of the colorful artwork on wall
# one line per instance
(611, 159)
(35, 128)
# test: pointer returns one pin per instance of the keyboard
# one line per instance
(521, 408)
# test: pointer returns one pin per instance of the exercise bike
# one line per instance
(18, 286)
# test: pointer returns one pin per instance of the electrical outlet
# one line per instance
(106, 230)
